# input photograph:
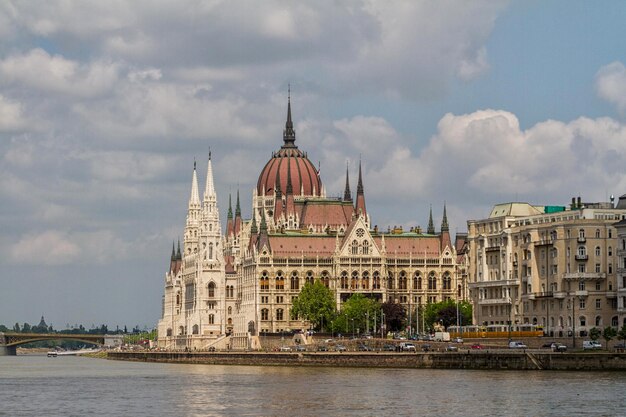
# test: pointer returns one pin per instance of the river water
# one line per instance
(76, 386)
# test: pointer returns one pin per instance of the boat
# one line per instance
(52, 354)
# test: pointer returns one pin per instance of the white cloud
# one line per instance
(47, 248)
(611, 85)
(53, 73)
(11, 115)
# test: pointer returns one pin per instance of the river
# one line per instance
(76, 386)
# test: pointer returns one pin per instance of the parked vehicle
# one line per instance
(300, 348)
(620, 347)
(407, 346)
(457, 340)
(363, 348)
(389, 348)
(517, 345)
(591, 345)
(322, 348)
(340, 348)
(442, 337)
(426, 347)
(451, 348)
(285, 349)
(558, 347)
(477, 346)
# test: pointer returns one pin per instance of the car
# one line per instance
(457, 340)
(558, 347)
(389, 348)
(300, 348)
(452, 348)
(367, 336)
(363, 348)
(591, 345)
(426, 347)
(620, 347)
(322, 348)
(477, 346)
(517, 345)
(340, 348)
(548, 345)
(407, 346)
(285, 349)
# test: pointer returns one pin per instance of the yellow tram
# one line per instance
(495, 331)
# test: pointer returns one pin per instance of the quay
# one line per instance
(497, 359)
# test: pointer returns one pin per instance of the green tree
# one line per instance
(595, 333)
(609, 334)
(395, 316)
(16, 327)
(26, 328)
(316, 304)
(621, 334)
(3, 328)
(357, 313)
(445, 313)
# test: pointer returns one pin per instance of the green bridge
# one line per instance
(10, 341)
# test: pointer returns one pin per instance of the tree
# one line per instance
(395, 316)
(16, 328)
(608, 334)
(621, 335)
(3, 328)
(316, 304)
(595, 333)
(26, 328)
(445, 313)
(357, 313)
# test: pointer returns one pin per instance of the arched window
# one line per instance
(447, 281)
(211, 289)
(279, 314)
(344, 280)
(582, 251)
(325, 279)
(210, 250)
(583, 321)
(265, 281)
(211, 319)
(459, 291)
(264, 314)
(177, 299)
(609, 251)
(390, 285)
(376, 281)
(366, 247)
(354, 282)
(598, 321)
(432, 281)
(597, 233)
(365, 281)
(597, 250)
(402, 281)
(194, 329)
(230, 310)
(614, 321)
(169, 332)
(417, 281)
(310, 279)
(295, 281)
(581, 234)
(355, 247)
(280, 281)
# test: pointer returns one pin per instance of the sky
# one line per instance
(104, 106)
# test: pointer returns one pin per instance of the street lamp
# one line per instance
(352, 328)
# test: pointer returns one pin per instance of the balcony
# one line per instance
(560, 295)
(590, 276)
(493, 301)
(582, 257)
(544, 242)
(543, 294)
(581, 239)
(492, 248)
(498, 283)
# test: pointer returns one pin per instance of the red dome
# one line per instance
(289, 166)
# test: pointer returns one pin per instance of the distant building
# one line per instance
(113, 340)
(553, 266)
(225, 290)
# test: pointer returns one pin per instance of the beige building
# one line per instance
(553, 266)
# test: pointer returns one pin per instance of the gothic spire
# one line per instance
(359, 187)
(238, 207)
(179, 256)
(173, 258)
(209, 189)
(360, 195)
(253, 228)
(230, 207)
(444, 221)
(263, 223)
(289, 135)
(431, 225)
(195, 195)
(347, 195)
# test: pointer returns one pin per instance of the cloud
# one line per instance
(11, 115)
(611, 85)
(38, 69)
(48, 248)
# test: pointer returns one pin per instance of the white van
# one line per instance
(517, 345)
(591, 345)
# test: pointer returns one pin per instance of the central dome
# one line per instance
(289, 166)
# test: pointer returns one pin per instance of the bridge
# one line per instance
(9, 341)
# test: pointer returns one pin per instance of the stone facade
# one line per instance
(553, 266)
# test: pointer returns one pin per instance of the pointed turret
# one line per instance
(229, 221)
(253, 229)
(444, 221)
(209, 189)
(360, 196)
(347, 194)
(195, 195)
(445, 234)
(237, 224)
(173, 258)
(179, 255)
(431, 225)
(289, 135)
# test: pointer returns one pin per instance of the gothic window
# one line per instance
(458, 291)
(194, 329)
(295, 281)
(366, 247)
(265, 281)
(210, 250)
(432, 281)
(447, 281)
(264, 314)
(279, 314)
(211, 319)
(376, 281)
(309, 277)
(280, 281)
(344, 280)
(598, 321)
(230, 310)
(360, 232)
(417, 281)
(402, 281)
(597, 250)
(178, 297)
(325, 279)
(354, 282)
(390, 281)
(355, 247)
(169, 332)
(211, 289)
(365, 281)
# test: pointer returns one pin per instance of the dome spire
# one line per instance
(289, 135)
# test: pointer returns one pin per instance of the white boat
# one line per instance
(52, 354)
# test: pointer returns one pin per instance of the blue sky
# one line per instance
(104, 106)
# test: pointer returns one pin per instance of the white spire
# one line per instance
(209, 190)
(195, 196)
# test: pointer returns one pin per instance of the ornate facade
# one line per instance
(225, 290)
